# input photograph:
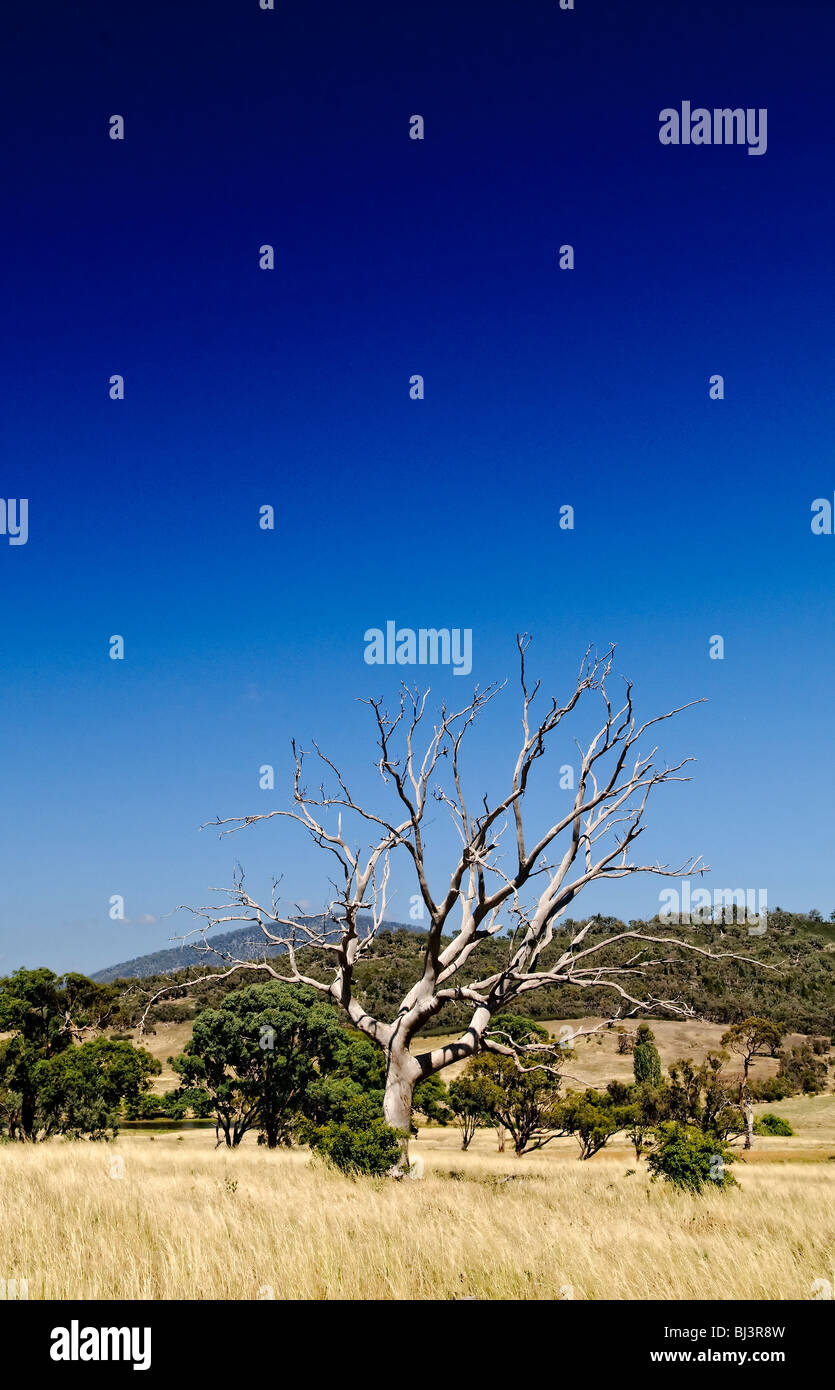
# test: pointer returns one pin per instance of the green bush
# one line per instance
(373, 1149)
(359, 1141)
(646, 1063)
(773, 1125)
(690, 1159)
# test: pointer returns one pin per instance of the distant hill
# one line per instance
(798, 990)
(243, 944)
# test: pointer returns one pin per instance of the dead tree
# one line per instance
(507, 884)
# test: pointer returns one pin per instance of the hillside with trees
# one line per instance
(797, 991)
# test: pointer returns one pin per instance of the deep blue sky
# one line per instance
(543, 387)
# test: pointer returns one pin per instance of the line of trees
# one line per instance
(683, 1123)
(59, 1074)
(272, 1058)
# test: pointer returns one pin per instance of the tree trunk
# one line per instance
(27, 1116)
(748, 1112)
(402, 1075)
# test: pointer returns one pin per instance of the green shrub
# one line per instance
(646, 1063)
(359, 1141)
(773, 1125)
(373, 1150)
(690, 1159)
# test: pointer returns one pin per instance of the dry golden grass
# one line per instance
(186, 1221)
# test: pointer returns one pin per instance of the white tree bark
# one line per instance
(402, 1075)
(748, 1112)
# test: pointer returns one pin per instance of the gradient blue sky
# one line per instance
(543, 387)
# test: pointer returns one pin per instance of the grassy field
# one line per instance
(186, 1221)
(182, 1220)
